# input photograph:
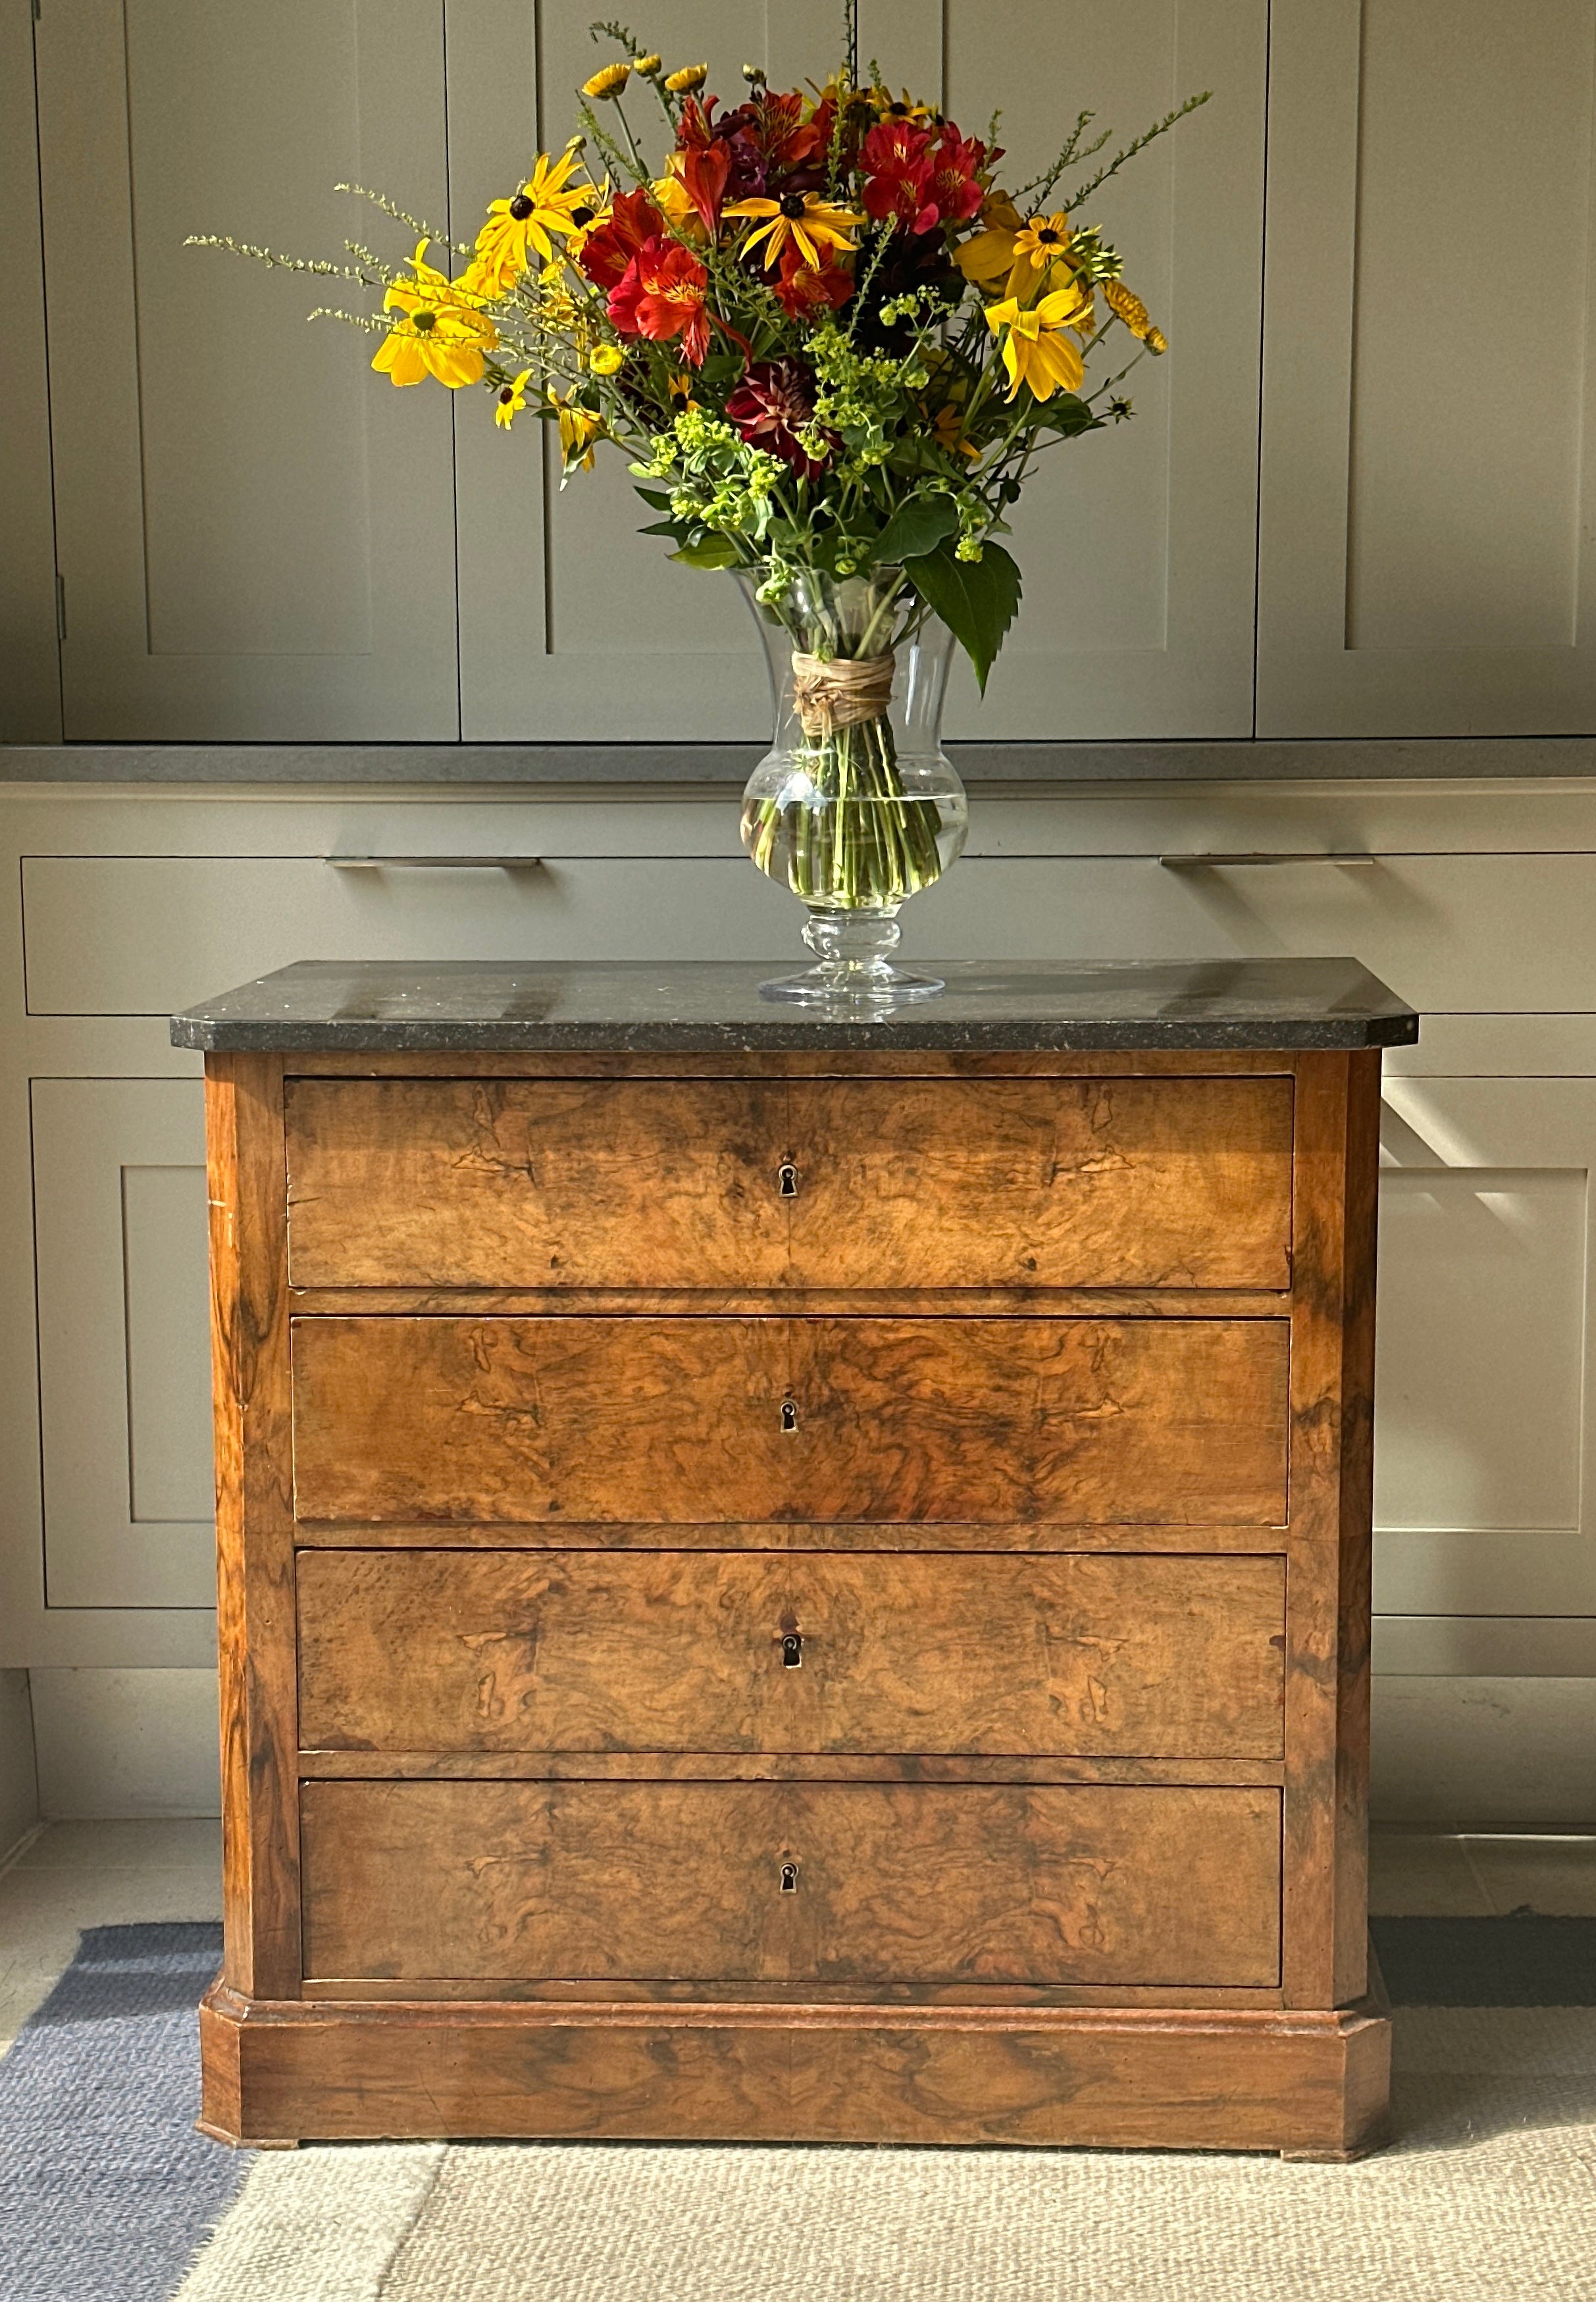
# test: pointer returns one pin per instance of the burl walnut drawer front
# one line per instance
(944, 1183)
(743, 1882)
(708, 1420)
(1117, 1656)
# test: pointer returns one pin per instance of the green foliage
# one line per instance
(918, 526)
(976, 599)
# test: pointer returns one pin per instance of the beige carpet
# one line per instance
(1488, 2195)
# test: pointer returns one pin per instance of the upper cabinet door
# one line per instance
(255, 534)
(1136, 544)
(1427, 531)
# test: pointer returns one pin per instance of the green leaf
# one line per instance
(917, 526)
(655, 499)
(1066, 414)
(714, 552)
(977, 599)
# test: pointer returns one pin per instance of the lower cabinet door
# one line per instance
(865, 1884)
(1124, 1655)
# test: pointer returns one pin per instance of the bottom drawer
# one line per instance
(781, 1882)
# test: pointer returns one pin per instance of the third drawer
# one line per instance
(1123, 1655)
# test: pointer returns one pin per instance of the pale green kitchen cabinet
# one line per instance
(1429, 437)
(255, 537)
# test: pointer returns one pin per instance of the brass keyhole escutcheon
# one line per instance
(789, 1877)
(792, 1650)
(789, 1414)
(786, 1179)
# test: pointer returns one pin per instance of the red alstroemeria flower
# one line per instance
(774, 402)
(782, 133)
(606, 252)
(803, 292)
(895, 158)
(660, 294)
(705, 168)
(955, 176)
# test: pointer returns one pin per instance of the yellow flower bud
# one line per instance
(1157, 341)
(647, 65)
(604, 359)
(607, 82)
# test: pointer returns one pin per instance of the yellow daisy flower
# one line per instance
(1036, 350)
(1019, 254)
(690, 77)
(511, 400)
(647, 65)
(442, 333)
(517, 229)
(607, 82)
(578, 429)
(812, 225)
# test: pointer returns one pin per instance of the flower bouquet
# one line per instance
(831, 344)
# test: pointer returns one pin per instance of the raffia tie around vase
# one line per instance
(841, 691)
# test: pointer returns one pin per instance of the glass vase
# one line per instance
(854, 807)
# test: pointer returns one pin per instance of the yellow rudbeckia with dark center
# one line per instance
(800, 220)
(511, 400)
(1019, 254)
(520, 227)
(442, 333)
(1037, 351)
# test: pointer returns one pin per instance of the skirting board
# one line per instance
(1487, 1753)
(1306, 2085)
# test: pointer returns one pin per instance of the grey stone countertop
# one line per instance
(678, 1007)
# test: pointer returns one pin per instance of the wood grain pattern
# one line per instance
(684, 1882)
(1032, 1538)
(908, 1183)
(1309, 2085)
(659, 1651)
(571, 1183)
(775, 1767)
(249, 1357)
(974, 1420)
(1328, 1591)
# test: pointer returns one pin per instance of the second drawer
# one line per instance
(1133, 1656)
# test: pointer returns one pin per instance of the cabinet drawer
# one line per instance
(708, 1420)
(683, 1882)
(1117, 1656)
(1038, 1182)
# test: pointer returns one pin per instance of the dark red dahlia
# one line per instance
(774, 402)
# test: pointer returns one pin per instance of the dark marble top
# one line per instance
(679, 1007)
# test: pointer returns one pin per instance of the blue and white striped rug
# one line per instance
(1487, 2195)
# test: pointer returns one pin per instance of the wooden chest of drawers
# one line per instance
(813, 1594)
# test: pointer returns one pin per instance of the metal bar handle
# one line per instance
(1199, 862)
(434, 863)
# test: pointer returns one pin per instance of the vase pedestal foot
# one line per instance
(870, 994)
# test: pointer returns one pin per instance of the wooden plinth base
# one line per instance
(1306, 2085)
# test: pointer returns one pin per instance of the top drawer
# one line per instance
(890, 1183)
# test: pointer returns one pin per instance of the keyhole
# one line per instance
(792, 1650)
(789, 1877)
(786, 1178)
(789, 1414)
